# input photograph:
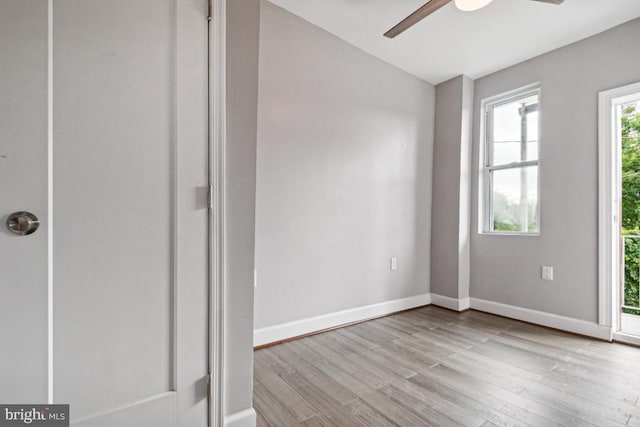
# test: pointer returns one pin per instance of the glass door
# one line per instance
(628, 121)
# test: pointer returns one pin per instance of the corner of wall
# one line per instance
(455, 304)
(450, 264)
(242, 48)
(464, 206)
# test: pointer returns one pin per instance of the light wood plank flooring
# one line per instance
(435, 367)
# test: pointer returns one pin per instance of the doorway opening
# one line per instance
(619, 212)
(627, 117)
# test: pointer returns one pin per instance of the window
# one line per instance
(510, 165)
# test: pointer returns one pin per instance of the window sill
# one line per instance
(491, 233)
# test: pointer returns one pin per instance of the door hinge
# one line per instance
(210, 12)
(210, 197)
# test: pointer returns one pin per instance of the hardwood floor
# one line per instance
(435, 367)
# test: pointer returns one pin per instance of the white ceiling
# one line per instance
(450, 42)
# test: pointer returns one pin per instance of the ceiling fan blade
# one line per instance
(551, 1)
(418, 16)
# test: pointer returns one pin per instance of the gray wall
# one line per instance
(344, 175)
(506, 269)
(450, 222)
(243, 22)
(445, 224)
(464, 205)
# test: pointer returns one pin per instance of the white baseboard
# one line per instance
(246, 418)
(555, 321)
(285, 331)
(450, 303)
(297, 328)
(626, 339)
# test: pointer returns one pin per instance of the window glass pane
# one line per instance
(515, 131)
(532, 136)
(515, 199)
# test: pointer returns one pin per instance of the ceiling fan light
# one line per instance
(469, 5)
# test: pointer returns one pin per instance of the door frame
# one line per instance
(608, 207)
(217, 161)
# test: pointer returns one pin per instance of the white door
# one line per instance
(103, 137)
(23, 186)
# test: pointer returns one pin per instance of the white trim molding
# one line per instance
(554, 321)
(450, 303)
(285, 331)
(246, 418)
(608, 203)
(217, 161)
(626, 339)
(273, 334)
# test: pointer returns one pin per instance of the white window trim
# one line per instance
(484, 208)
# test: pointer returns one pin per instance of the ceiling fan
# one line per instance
(433, 5)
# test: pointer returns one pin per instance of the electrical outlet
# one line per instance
(547, 273)
(394, 263)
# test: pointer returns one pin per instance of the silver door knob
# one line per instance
(23, 223)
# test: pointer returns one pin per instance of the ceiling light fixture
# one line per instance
(469, 5)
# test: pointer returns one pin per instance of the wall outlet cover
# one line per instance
(547, 273)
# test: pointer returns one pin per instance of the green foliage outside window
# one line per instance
(631, 204)
(507, 215)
